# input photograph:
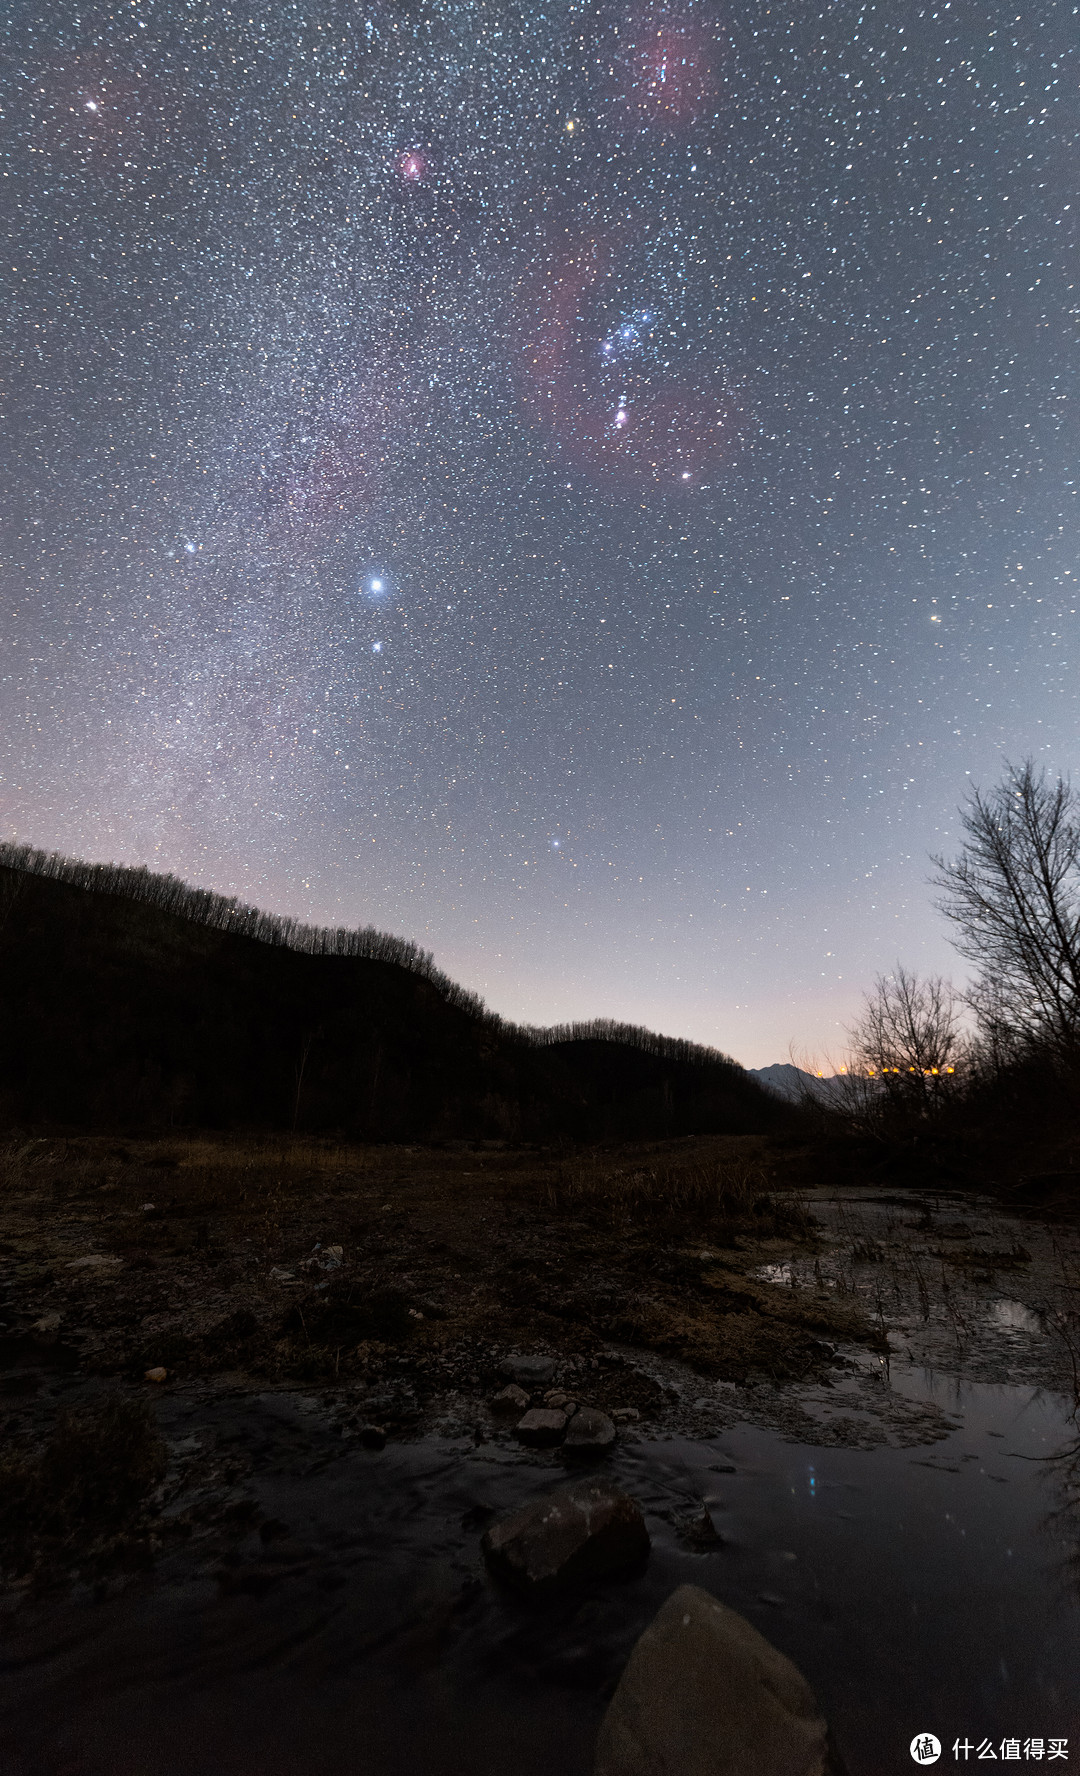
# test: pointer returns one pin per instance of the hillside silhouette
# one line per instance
(132, 1001)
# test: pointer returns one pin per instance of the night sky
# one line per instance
(587, 487)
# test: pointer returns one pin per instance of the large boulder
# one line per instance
(704, 1694)
(541, 1428)
(585, 1531)
(589, 1432)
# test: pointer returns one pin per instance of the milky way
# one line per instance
(586, 487)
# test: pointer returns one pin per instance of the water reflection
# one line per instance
(1013, 1316)
(919, 1589)
(774, 1273)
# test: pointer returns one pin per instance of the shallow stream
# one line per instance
(919, 1589)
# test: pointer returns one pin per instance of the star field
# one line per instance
(584, 486)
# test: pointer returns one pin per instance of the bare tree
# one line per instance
(1014, 895)
(908, 1038)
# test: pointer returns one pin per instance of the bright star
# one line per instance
(376, 585)
(90, 105)
(376, 647)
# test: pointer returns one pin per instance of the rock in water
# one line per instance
(589, 1432)
(700, 1531)
(704, 1694)
(541, 1428)
(582, 1532)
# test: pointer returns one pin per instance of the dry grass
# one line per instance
(725, 1192)
(258, 1184)
(443, 1249)
(732, 1346)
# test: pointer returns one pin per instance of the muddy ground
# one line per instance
(680, 1286)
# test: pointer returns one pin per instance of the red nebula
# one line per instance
(678, 430)
(667, 67)
(412, 166)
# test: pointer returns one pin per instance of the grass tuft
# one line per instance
(97, 1468)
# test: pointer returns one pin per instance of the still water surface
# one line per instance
(919, 1589)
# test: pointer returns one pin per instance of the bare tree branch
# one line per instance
(1014, 895)
(908, 1038)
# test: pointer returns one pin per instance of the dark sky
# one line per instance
(585, 487)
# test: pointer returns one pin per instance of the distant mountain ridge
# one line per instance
(132, 1001)
(794, 1084)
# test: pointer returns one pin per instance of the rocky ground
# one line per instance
(496, 1294)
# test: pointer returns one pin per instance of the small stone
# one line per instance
(589, 1432)
(530, 1370)
(627, 1414)
(48, 1326)
(149, 1209)
(95, 1261)
(322, 1258)
(156, 1374)
(510, 1400)
(373, 1437)
(705, 1694)
(700, 1531)
(541, 1428)
(583, 1532)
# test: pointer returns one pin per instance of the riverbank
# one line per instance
(845, 1411)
